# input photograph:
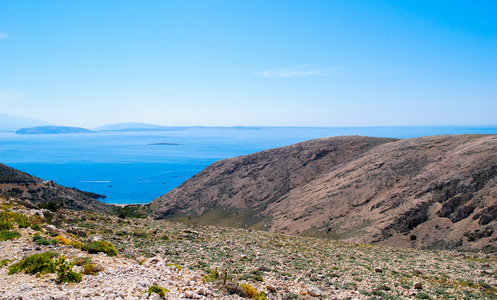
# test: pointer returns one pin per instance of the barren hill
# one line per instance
(430, 192)
(21, 185)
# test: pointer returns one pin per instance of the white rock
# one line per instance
(154, 296)
(85, 292)
(188, 294)
(315, 292)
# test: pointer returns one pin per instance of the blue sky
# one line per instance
(266, 63)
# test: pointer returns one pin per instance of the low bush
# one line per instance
(37, 263)
(9, 219)
(6, 235)
(158, 290)
(91, 269)
(4, 262)
(65, 272)
(252, 293)
(76, 244)
(6, 224)
(253, 276)
(35, 227)
(43, 263)
(39, 240)
(100, 246)
(211, 275)
(63, 240)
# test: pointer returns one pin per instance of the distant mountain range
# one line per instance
(130, 126)
(437, 192)
(52, 130)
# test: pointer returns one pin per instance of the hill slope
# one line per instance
(429, 192)
(22, 185)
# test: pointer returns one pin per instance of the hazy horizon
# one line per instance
(9, 121)
(259, 63)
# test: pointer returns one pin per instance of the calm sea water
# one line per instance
(128, 168)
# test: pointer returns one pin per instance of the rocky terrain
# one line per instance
(436, 192)
(18, 184)
(204, 262)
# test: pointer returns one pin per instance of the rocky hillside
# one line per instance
(15, 183)
(436, 192)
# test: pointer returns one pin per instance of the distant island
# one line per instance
(130, 126)
(163, 144)
(52, 130)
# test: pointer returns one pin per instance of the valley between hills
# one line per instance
(346, 217)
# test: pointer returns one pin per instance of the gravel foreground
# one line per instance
(193, 261)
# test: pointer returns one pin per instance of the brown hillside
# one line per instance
(430, 192)
(15, 183)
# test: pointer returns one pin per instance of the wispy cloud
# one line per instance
(3, 35)
(298, 71)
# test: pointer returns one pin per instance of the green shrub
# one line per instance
(212, 275)
(260, 296)
(9, 235)
(422, 296)
(6, 225)
(6, 221)
(43, 263)
(39, 240)
(173, 264)
(35, 227)
(64, 271)
(253, 276)
(100, 246)
(252, 293)
(4, 262)
(23, 223)
(158, 290)
(37, 263)
(91, 269)
(76, 244)
(249, 290)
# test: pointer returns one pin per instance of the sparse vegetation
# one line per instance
(37, 263)
(6, 235)
(40, 240)
(256, 259)
(158, 290)
(100, 246)
(91, 269)
(64, 271)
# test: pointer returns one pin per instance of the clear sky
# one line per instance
(268, 63)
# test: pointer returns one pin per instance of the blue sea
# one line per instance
(139, 166)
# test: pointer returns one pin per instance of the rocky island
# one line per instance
(52, 130)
